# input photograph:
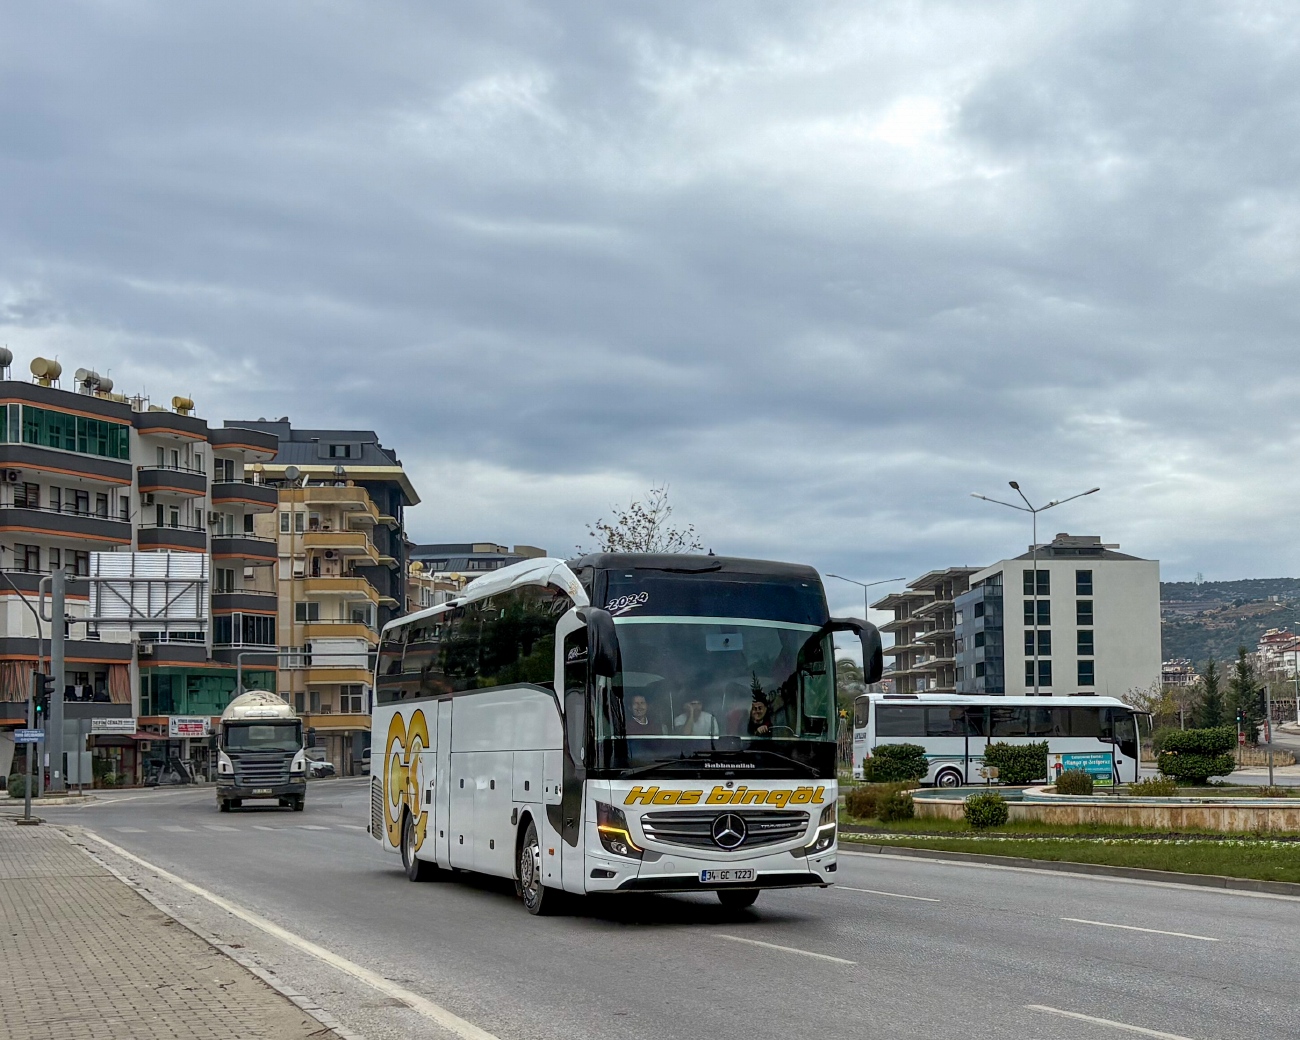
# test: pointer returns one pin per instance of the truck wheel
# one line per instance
(297, 802)
(223, 805)
(236, 803)
(416, 869)
(737, 899)
(538, 899)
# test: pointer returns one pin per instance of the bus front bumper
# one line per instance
(683, 873)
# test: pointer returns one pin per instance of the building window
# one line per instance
(56, 559)
(306, 611)
(315, 702)
(340, 451)
(225, 579)
(352, 699)
(961, 673)
(80, 562)
(298, 519)
(979, 639)
(1086, 674)
(27, 496)
(1044, 673)
(1044, 642)
(51, 429)
(101, 505)
(284, 523)
(1083, 583)
(1085, 644)
(979, 609)
(124, 508)
(979, 669)
(1044, 612)
(1044, 582)
(1083, 612)
(27, 557)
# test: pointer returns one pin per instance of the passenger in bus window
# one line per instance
(760, 721)
(695, 721)
(639, 723)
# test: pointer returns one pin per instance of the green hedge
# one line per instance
(863, 802)
(985, 810)
(890, 763)
(896, 806)
(1154, 787)
(1018, 763)
(18, 786)
(1074, 781)
(1194, 755)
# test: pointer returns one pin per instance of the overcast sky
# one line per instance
(823, 268)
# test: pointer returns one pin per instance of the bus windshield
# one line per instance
(693, 687)
(263, 736)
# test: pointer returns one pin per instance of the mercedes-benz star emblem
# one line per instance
(728, 831)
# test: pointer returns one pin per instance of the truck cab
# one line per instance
(260, 753)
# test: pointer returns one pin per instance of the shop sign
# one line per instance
(180, 726)
(112, 727)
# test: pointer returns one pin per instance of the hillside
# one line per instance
(1216, 617)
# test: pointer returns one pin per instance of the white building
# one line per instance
(1098, 622)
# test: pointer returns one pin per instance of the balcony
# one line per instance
(33, 458)
(177, 539)
(338, 630)
(169, 480)
(354, 545)
(353, 501)
(256, 498)
(251, 600)
(321, 675)
(335, 720)
(66, 523)
(346, 587)
(256, 445)
(244, 547)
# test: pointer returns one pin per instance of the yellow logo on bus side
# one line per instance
(402, 775)
(726, 796)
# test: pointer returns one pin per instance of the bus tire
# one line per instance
(539, 900)
(737, 898)
(948, 777)
(416, 869)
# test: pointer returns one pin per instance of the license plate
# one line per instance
(735, 874)
(261, 790)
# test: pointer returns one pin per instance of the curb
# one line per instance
(1281, 888)
(332, 1026)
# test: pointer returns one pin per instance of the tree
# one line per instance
(1243, 696)
(1157, 701)
(643, 526)
(1209, 710)
(848, 684)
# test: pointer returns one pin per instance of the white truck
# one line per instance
(260, 752)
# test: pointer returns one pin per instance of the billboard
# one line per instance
(194, 726)
(151, 591)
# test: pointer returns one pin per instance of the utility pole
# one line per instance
(58, 633)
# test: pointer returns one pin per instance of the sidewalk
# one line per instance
(85, 956)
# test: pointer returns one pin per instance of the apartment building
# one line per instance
(84, 470)
(464, 561)
(923, 629)
(1097, 630)
(339, 532)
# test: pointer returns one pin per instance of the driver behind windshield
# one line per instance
(760, 718)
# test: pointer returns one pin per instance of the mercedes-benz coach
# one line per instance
(617, 723)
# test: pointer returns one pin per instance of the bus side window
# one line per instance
(861, 713)
(977, 722)
(1085, 722)
(1009, 722)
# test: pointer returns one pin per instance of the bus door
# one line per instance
(977, 730)
(861, 744)
(1128, 754)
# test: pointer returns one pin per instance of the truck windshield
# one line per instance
(263, 736)
(691, 688)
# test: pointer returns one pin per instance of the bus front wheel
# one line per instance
(737, 899)
(416, 869)
(538, 899)
(948, 778)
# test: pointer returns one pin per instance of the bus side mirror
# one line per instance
(873, 651)
(602, 642)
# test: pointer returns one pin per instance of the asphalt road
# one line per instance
(900, 948)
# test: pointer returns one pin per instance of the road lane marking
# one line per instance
(783, 949)
(895, 895)
(1135, 928)
(1106, 1022)
(131, 830)
(311, 827)
(449, 1020)
(176, 829)
(264, 827)
(218, 827)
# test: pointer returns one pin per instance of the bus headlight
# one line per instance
(825, 832)
(611, 824)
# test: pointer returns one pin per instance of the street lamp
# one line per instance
(1033, 511)
(864, 585)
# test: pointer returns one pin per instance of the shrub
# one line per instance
(18, 786)
(1274, 792)
(863, 802)
(890, 763)
(1018, 763)
(1195, 755)
(1159, 736)
(985, 810)
(1154, 787)
(1074, 781)
(896, 806)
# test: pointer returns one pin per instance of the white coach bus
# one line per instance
(618, 723)
(955, 729)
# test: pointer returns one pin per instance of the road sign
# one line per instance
(29, 736)
(188, 726)
(1097, 764)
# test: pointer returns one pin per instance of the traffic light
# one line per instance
(44, 690)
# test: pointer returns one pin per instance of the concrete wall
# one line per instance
(1279, 815)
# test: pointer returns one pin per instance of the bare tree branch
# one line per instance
(643, 527)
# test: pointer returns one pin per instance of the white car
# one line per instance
(316, 770)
